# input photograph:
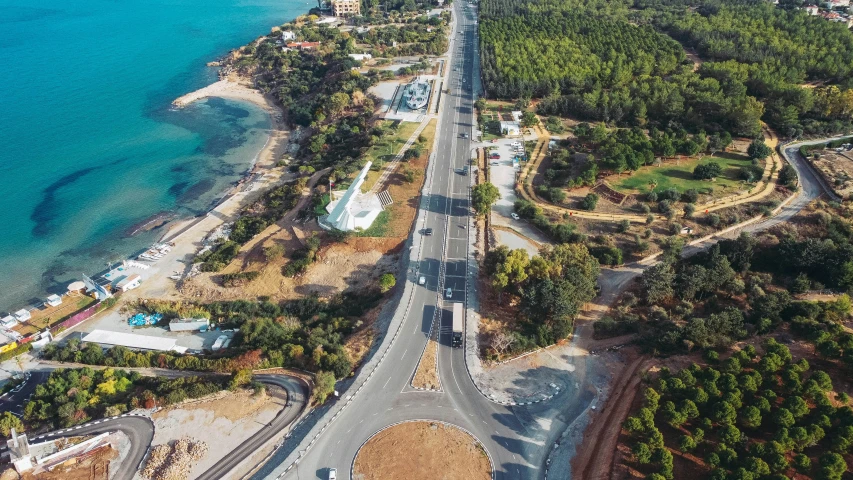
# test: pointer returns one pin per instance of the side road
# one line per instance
(140, 429)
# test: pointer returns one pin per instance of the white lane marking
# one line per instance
(386, 384)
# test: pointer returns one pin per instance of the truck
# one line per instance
(458, 319)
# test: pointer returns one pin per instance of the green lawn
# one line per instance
(386, 149)
(681, 176)
(320, 208)
(379, 227)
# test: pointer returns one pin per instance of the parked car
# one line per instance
(514, 216)
(464, 135)
(422, 280)
(427, 231)
(333, 474)
(449, 293)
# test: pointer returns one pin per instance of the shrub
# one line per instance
(324, 385)
(273, 252)
(623, 226)
(707, 171)
(239, 279)
(690, 196)
(387, 282)
(590, 201)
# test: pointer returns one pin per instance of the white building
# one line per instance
(22, 315)
(360, 56)
(129, 283)
(352, 209)
(288, 35)
(513, 127)
(8, 321)
(53, 301)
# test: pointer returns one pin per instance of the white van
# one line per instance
(449, 293)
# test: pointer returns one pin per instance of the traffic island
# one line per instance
(416, 450)
(426, 376)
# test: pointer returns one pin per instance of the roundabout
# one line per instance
(418, 450)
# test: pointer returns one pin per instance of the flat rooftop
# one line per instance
(132, 340)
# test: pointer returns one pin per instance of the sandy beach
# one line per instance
(188, 234)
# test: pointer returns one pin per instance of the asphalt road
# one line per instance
(14, 400)
(297, 400)
(139, 429)
(516, 438)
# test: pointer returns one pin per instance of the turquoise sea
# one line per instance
(89, 146)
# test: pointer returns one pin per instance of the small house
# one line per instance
(53, 301)
(288, 35)
(8, 321)
(360, 56)
(22, 315)
(129, 283)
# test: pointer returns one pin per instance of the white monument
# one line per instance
(353, 209)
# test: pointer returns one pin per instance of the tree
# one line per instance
(758, 150)
(751, 417)
(529, 119)
(707, 171)
(324, 385)
(590, 201)
(387, 282)
(657, 283)
(8, 422)
(784, 418)
(832, 466)
(642, 453)
(483, 196)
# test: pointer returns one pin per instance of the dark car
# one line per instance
(427, 231)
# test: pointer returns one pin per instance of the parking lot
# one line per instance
(502, 175)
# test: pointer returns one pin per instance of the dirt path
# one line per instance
(596, 454)
(251, 250)
(763, 188)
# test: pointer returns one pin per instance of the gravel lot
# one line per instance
(223, 422)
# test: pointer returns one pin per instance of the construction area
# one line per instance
(229, 417)
(417, 450)
(836, 167)
(173, 461)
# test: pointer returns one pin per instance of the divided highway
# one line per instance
(517, 438)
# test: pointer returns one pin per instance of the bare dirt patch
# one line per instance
(426, 375)
(416, 450)
(230, 418)
(94, 466)
(837, 170)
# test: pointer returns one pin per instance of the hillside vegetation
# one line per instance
(621, 62)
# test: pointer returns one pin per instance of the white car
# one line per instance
(514, 216)
(449, 293)
(422, 280)
(333, 474)
(515, 144)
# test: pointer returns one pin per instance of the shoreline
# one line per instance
(265, 159)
